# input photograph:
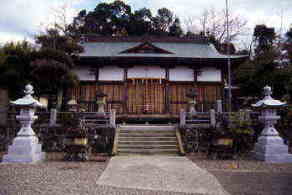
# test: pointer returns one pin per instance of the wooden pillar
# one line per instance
(195, 75)
(125, 98)
(96, 74)
(167, 93)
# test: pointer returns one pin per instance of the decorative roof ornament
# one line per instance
(268, 91)
(28, 90)
(192, 93)
(268, 101)
(99, 93)
(27, 100)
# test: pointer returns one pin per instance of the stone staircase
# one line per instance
(147, 139)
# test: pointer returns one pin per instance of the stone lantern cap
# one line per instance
(27, 100)
(100, 94)
(72, 102)
(268, 101)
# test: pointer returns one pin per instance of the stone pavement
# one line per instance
(159, 173)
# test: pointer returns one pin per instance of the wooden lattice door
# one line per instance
(146, 96)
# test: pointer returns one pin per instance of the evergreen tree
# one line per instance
(15, 67)
(52, 64)
(263, 69)
(117, 18)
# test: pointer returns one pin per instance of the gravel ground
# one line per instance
(57, 177)
(247, 176)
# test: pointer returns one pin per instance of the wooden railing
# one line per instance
(94, 120)
(211, 118)
(106, 119)
(200, 119)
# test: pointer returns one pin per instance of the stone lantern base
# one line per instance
(24, 149)
(272, 149)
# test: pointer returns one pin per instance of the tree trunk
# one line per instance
(3, 106)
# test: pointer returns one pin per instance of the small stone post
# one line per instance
(270, 146)
(113, 118)
(219, 106)
(53, 117)
(192, 94)
(101, 101)
(212, 118)
(182, 118)
(25, 147)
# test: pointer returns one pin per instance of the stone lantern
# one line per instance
(101, 101)
(192, 94)
(73, 106)
(25, 147)
(270, 146)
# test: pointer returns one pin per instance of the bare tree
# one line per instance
(213, 23)
(59, 18)
(63, 17)
(190, 25)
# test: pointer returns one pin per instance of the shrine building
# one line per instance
(150, 75)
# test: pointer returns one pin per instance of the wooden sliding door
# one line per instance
(145, 96)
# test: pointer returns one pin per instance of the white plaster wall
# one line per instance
(209, 74)
(111, 73)
(181, 73)
(146, 72)
(84, 74)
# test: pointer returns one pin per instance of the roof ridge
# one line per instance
(161, 39)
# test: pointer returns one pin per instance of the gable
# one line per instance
(146, 47)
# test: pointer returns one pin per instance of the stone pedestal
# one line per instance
(270, 147)
(25, 147)
(24, 150)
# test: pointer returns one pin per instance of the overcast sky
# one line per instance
(22, 19)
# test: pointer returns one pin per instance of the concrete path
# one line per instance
(161, 173)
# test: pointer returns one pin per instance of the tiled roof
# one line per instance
(176, 49)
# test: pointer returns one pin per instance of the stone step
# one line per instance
(147, 142)
(147, 139)
(147, 127)
(147, 131)
(124, 151)
(149, 134)
(127, 146)
(141, 138)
